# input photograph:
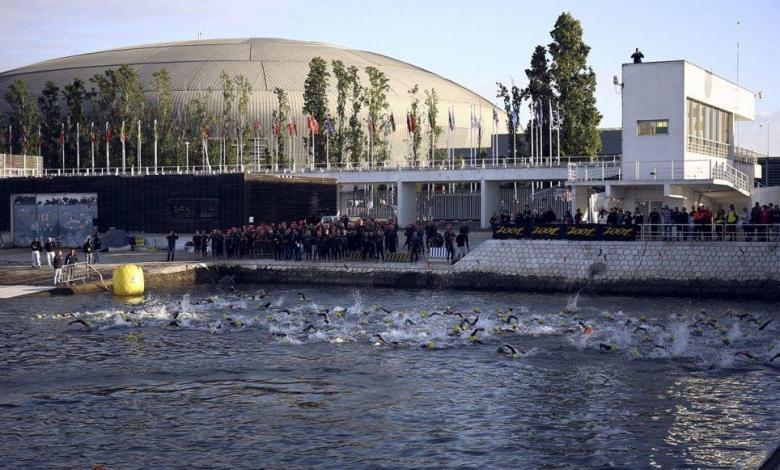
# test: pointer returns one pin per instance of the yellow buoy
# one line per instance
(129, 280)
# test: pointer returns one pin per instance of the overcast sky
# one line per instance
(474, 43)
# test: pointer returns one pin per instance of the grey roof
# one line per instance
(195, 66)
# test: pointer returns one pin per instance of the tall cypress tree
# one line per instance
(575, 83)
(315, 102)
(415, 116)
(540, 92)
(75, 95)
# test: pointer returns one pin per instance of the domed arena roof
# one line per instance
(195, 66)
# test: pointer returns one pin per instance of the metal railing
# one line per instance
(714, 148)
(482, 163)
(664, 171)
(721, 232)
(80, 272)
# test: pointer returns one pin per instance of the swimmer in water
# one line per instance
(509, 350)
(410, 322)
(607, 347)
(747, 355)
(587, 329)
(82, 322)
(761, 328)
(325, 317)
(510, 318)
(309, 327)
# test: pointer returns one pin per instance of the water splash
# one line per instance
(680, 338)
(571, 306)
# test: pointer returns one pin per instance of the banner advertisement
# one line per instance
(597, 232)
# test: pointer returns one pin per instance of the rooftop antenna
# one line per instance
(737, 94)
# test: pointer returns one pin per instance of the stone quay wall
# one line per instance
(719, 269)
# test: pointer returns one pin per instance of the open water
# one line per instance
(297, 378)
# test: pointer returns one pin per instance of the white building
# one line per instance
(679, 143)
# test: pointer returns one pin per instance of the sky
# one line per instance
(474, 43)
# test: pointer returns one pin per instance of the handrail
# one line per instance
(312, 168)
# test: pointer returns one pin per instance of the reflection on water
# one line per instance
(305, 377)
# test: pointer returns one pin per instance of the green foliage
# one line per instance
(539, 90)
(315, 101)
(575, 83)
(243, 92)
(432, 103)
(375, 98)
(512, 100)
(75, 95)
(24, 117)
(168, 144)
(343, 84)
(201, 120)
(51, 119)
(280, 119)
(355, 139)
(226, 122)
(416, 132)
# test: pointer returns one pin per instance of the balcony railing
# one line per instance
(721, 149)
(668, 171)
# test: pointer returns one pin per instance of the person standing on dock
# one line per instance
(49, 247)
(35, 253)
(57, 264)
(172, 237)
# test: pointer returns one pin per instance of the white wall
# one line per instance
(702, 85)
(653, 91)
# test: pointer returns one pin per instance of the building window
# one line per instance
(660, 126)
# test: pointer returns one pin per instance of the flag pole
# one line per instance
(558, 130)
(532, 132)
(62, 141)
(108, 149)
(78, 149)
(155, 146)
(124, 155)
(549, 130)
(92, 143)
(138, 150)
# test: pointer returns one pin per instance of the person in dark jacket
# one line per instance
(172, 237)
(88, 249)
(72, 257)
(57, 264)
(50, 248)
(35, 253)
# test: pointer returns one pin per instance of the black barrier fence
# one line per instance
(566, 232)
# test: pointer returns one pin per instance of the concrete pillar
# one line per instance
(489, 202)
(407, 203)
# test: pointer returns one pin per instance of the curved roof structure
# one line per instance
(195, 66)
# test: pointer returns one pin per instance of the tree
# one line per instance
(355, 127)
(376, 103)
(575, 83)
(512, 100)
(131, 101)
(415, 117)
(342, 90)
(539, 92)
(432, 103)
(228, 96)
(163, 112)
(24, 118)
(243, 92)
(202, 121)
(315, 101)
(75, 94)
(280, 123)
(51, 119)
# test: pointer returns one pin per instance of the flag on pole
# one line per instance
(313, 125)
(495, 117)
(108, 133)
(122, 136)
(62, 135)
(255, 128)
(390, 126)
(474, 120)
(292, 129)
(452, 119)
(515, 118)
(277, 129)
(410, 122)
